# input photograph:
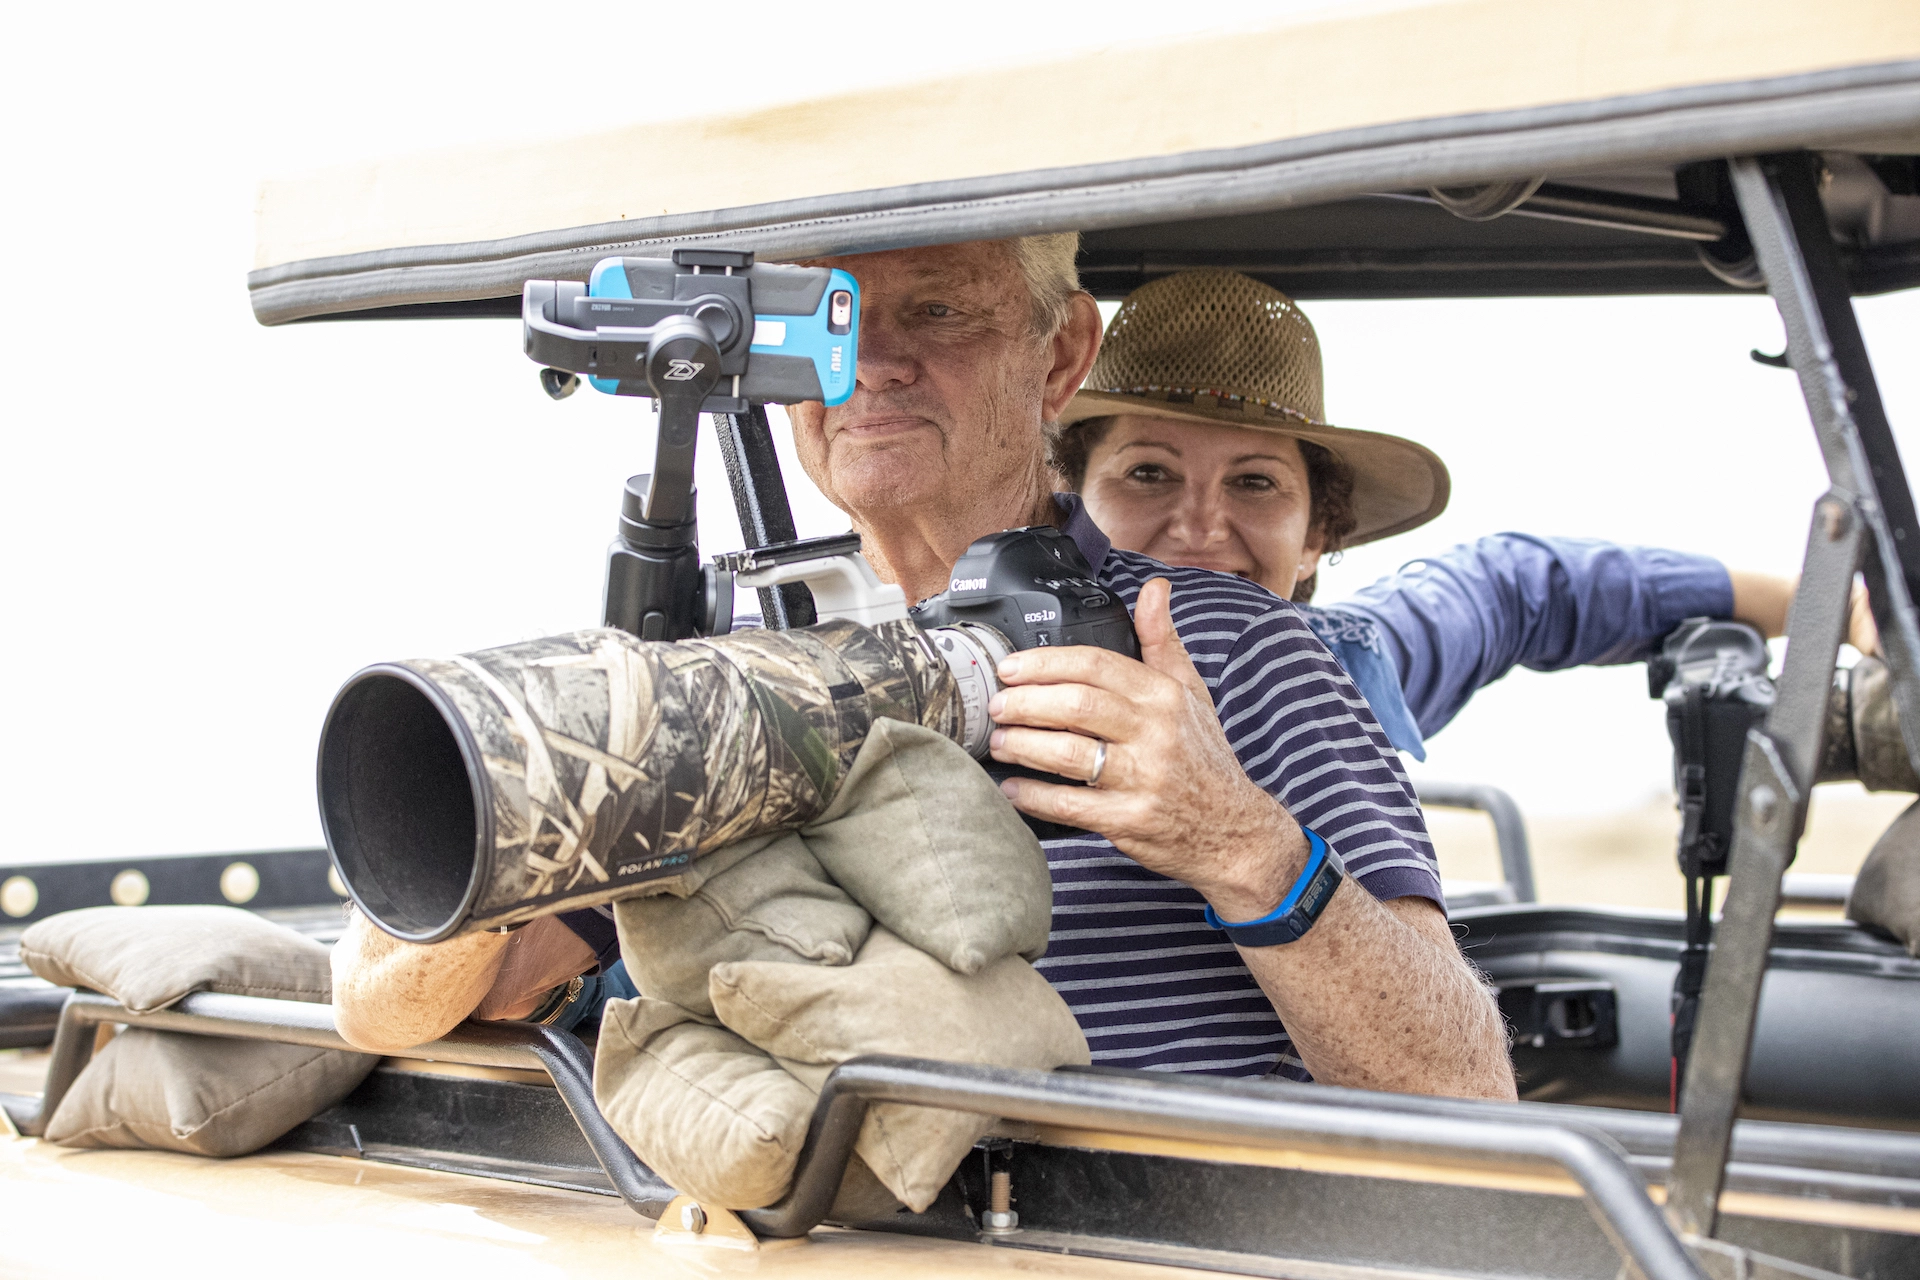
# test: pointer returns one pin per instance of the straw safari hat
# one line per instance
(1216, 347)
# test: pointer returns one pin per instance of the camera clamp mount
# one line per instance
(682, 347)
(687, 331)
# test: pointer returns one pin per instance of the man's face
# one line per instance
(949, 394)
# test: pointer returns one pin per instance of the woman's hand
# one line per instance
(1171, 794)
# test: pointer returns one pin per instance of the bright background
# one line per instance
(208, 525)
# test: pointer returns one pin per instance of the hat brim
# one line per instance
(1397, 484)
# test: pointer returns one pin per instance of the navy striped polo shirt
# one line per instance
(1152, 985)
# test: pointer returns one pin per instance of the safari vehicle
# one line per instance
(1473, 147)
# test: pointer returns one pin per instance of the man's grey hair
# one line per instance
(1047, 262)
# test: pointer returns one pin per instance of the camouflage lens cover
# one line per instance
(612, 763)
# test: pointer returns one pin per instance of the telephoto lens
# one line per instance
(485, 790)
(488, 789)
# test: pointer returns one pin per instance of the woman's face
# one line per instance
(1225, 498)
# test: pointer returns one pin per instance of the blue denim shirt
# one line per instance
(1421, 642)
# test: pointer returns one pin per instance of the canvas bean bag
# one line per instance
(1886, 893)
(202, 1094)
(901, 922)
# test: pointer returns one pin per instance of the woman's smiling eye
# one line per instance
(1254, 483)
(1147, 473)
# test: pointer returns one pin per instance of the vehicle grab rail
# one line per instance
(1615, 1194)
(1509, 828)
(1149, 1107)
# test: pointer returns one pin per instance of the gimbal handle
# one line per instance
(655, 587)
(683, 367)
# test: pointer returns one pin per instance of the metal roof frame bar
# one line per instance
(1866, 520)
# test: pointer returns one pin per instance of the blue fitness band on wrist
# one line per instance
(1296, 913)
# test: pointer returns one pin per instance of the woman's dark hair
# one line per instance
(1329, 485)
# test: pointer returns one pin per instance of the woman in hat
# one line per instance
(1199, 439)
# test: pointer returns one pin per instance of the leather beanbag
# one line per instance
(896, 999)
(201, 1094)
(721, 1112)
(748, 1003)
(774, 904)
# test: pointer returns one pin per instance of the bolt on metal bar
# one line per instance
(500, 1044)
(1616, 1195)
(760, 499)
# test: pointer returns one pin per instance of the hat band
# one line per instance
(1230, 401)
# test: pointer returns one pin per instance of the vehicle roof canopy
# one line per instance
(1279, 151)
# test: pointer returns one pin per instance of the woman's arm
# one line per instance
(1377, 994)
(1456, 622)
(1762, 601)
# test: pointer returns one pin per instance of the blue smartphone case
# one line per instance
(806, 325)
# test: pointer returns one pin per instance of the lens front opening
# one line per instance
(398, 802)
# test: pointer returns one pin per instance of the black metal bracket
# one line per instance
(653, 568)
(760, 498)
(1561, 1013)
(1866, 521)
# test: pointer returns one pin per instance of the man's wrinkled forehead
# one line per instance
(984, 267)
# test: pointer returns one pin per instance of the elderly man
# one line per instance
(1233, 771)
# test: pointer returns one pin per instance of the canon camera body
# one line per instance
(1021, 589)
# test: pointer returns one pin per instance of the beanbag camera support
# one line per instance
(901, 922)
(171, 1091)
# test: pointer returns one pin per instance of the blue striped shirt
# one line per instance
(1153, 986)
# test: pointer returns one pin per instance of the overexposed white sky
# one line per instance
(208, 525)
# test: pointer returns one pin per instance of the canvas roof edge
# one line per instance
(1299, 76)
(1821, 110)
(1825, 109)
